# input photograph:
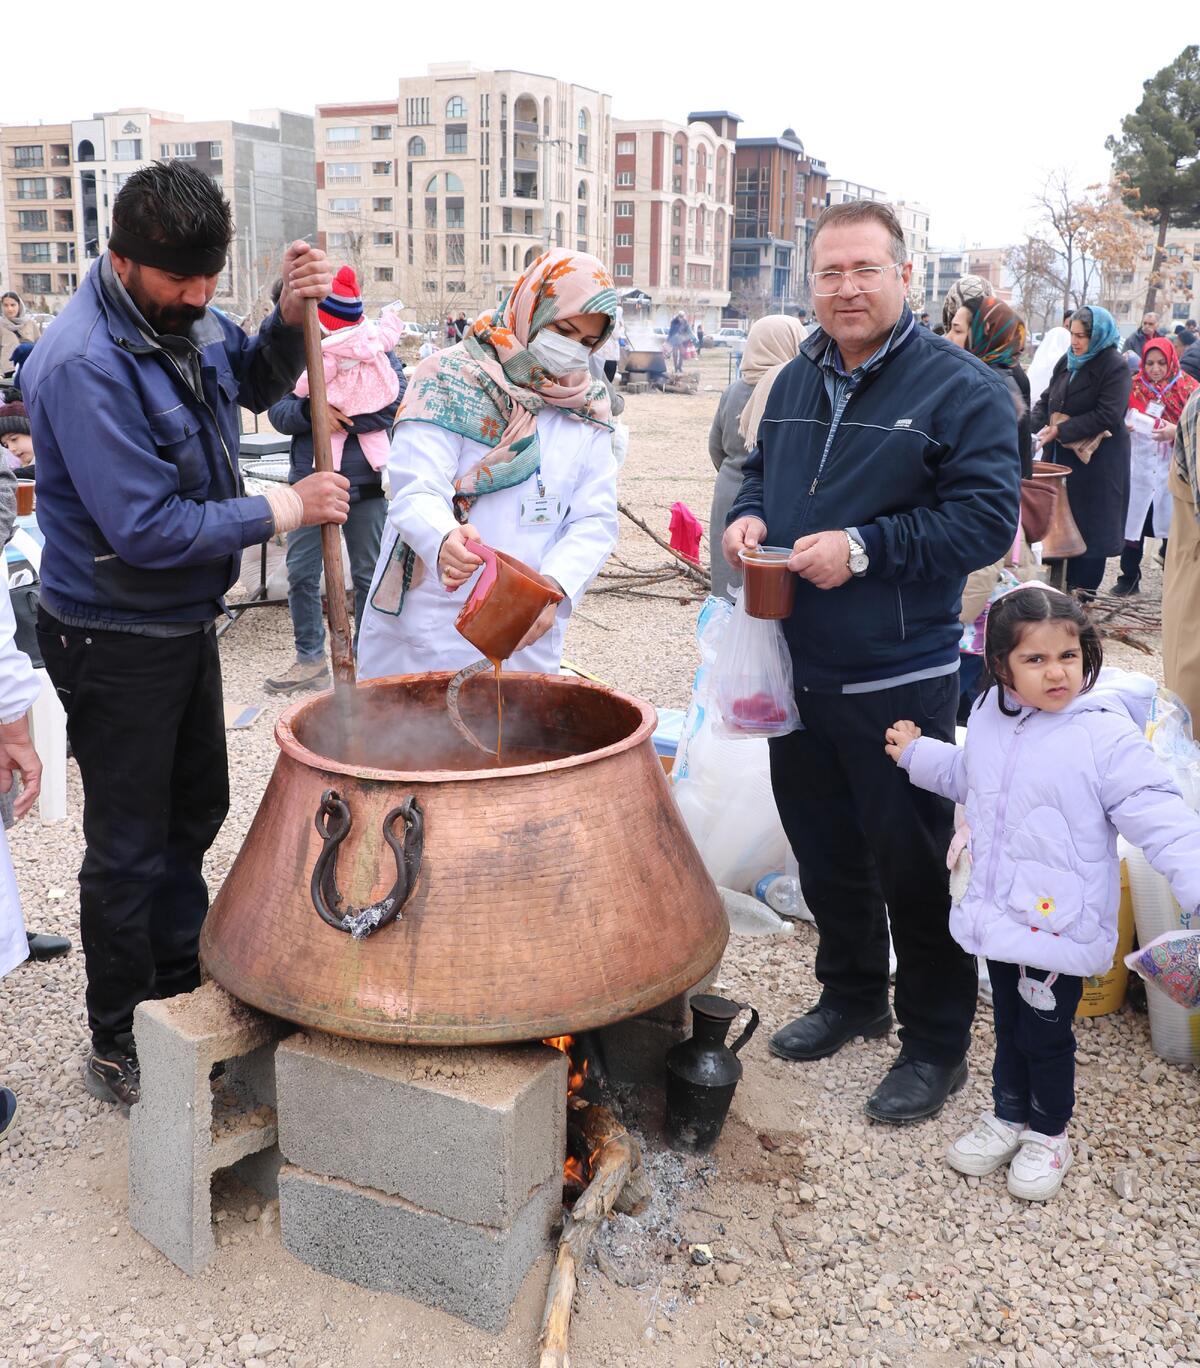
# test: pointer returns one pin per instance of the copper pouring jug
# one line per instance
(507, 600)
(1063, 538)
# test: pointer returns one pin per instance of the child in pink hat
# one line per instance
(358, 376)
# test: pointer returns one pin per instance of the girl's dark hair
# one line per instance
(1084, 316)
(175, 203)
(1007, 619)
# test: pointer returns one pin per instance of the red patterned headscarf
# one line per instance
(1173, 392)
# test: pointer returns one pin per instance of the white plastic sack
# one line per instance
(752, 690)
(723, 787)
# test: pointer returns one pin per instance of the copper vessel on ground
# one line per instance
(390, 889)
(1063, 538)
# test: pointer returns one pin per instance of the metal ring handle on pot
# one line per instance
(333, 822)
(750, 1029)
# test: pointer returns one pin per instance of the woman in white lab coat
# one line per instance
(504, 439)
(18, 688)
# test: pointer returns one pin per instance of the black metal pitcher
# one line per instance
(703, 1074)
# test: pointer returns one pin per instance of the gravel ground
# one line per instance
(833, 1241)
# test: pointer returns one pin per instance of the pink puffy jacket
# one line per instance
(1046, 795)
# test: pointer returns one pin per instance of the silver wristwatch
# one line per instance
(859, 560)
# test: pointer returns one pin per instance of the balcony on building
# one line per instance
(525, 184)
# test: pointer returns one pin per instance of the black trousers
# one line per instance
(146, 723)
(864, 837)
(1033, 1076)
(1086, 572)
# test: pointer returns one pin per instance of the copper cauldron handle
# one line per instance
(333, 822)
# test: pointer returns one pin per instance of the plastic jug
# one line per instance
(507, 599)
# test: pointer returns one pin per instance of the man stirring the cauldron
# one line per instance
(133, 399)
(887, 459)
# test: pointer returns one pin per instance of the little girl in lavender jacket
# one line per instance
(1055, 765)
(359, 378)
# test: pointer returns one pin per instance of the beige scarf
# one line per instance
(771, 343)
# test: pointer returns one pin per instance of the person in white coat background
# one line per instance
(504, 439)
(18, 688)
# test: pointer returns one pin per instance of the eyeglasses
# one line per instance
(865, 280)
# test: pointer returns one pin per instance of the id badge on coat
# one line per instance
(1155, 410)
(544, 510)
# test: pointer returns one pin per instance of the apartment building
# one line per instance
(40, 242)
(673, 216)
(265, 167)
(989, 263)
(779, 192)
(442, 196)
(1124, 292)
(914, 220)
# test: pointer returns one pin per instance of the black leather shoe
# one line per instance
(47, 947)
(823, 1032)
(1127, 585)
(913, 1090)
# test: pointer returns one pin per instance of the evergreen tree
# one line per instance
(1158, 153)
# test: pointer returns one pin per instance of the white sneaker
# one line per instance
(983, 1150)
(1037, 1170)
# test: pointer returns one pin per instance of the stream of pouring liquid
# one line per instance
(497, 665)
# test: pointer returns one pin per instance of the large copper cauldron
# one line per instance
(391, 889)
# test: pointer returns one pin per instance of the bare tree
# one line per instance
(1037, 282)
(1062, 213)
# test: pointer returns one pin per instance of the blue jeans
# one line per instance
(1033, 1076)
(363, 530)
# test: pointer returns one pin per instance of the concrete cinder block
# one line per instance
(635, 1051)
(390, 1245)
(466, 1133)
(177, 1141)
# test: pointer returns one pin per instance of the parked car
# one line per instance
(726, 337)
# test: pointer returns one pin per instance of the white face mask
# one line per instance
(557, 354)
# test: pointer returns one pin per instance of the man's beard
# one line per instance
(174, 319)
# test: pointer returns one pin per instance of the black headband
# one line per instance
(181, 261)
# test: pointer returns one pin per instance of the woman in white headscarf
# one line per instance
(1056, 343)
(772, 342)
(18, 688)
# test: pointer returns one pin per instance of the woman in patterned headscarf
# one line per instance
(503, 439)
(990, 330)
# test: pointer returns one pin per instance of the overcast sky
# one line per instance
(962, 112)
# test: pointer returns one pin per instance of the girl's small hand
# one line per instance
(899, 736)
(456, 564)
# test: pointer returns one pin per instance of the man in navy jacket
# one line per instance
(887, 459)
(133, 398)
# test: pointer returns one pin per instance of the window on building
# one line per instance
(66, 253)
(528, 222)
(381, 204)
(623, 208)
(36, 283)
(127, 149)
(675, 245)
(581, 146)
(674, 275)
(185, 151)
(485, 111)
(381, 132)
(676, 214)
(383, 239)
(431, 286)
(626, 147)
(678, 154)
(456, 107)
(31, 188)
(623, 270)
(506, 220)
(381, 168)
(503, 257)
(623, 240)
(456, 249)
(454, 186)
(624, 177)
(581, 221)
(29, 156)
(454, 213)
(343, 172)
(343, 206)
(164, 150)
(431, 212)
(456, 142)
(431, 248)
(215, 151)
(456, 287)
(416, 147)
(337, 241)
(35, 252)
(32, 221)
(416, 110)
(343, 133)
(384, 274)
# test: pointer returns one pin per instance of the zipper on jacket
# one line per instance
(1002, 809)
(237, 482)
(839, 410)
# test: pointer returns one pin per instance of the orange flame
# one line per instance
(578, 1072)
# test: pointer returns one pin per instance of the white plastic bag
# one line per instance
(723, 787)
(753, 694)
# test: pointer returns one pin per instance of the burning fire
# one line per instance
(576, 1173)
(578, 1073)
